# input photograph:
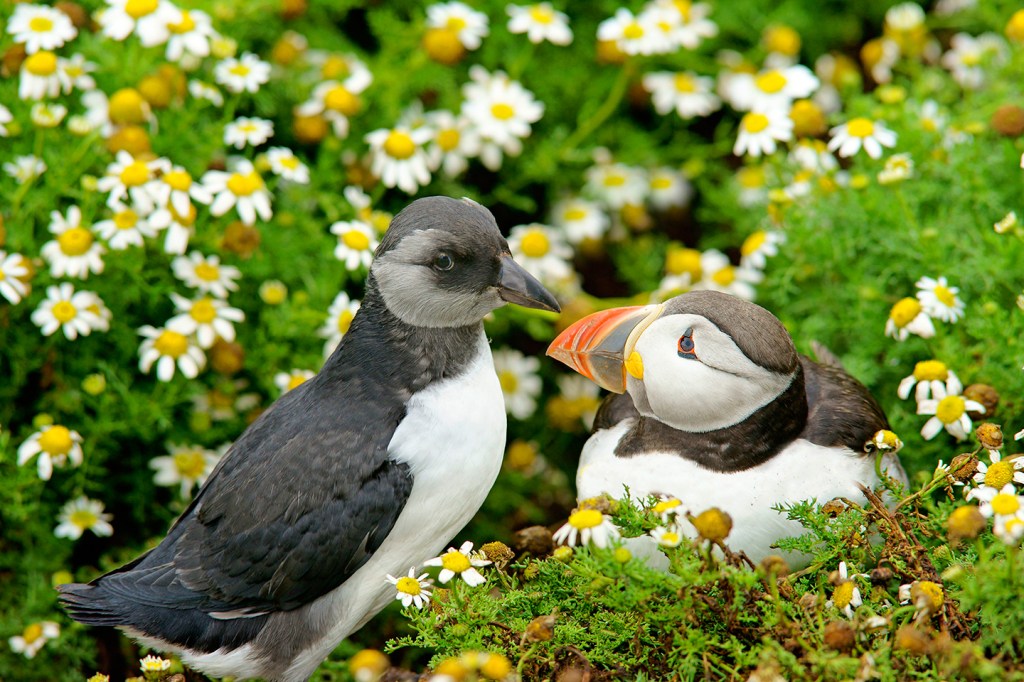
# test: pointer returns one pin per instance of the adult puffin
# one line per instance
(368, 468)
(715, 407)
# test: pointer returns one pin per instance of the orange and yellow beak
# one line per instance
(600, 346)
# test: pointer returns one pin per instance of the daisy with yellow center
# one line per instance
(39, 27)
(927, 375)
(643, 34)
(684, 23)
(337, 100)
(175, 190)
(244, 74)
(41, 77)
(585, 526)
(72, 312)
(501, 110)
(969, 57)
(339, 318)
(756, 248)
(206, 273)
(285, 165)
(908, 317)
(74, 252)
(684, 92)
(292, 379)
(575, 405)
(206, 317)
(543, 251)
(54, 445)
(127, 227)
(454, 141)
(580, 219)
(185, 466)
(846, 596)
(861, 133)
(668, 508)
(668, 188)
(248, 131)
(460, 562)
(241, 188)
(898, 167)
(950, 412)
(999, 472)
(617, 185)
(356, 244)
(412, 590)
(168, 349)
(468, 25)
(154, 664)
(520, 381)
(13, 276)
(667, 536)
(1002, 503)
(131, 177)
(147, 19)
(539, 22)
(33, 638)
(80, 515)
(761, 130)
(939, 299)
(190, 35)
(775, 88)
(398, 157)
(719, 274)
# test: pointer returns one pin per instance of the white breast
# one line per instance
(801, 471)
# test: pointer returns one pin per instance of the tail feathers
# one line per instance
(87, 604)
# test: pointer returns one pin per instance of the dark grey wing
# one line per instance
(614, 408)
(298, 504)
(840, 409)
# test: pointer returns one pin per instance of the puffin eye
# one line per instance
(443, 262)
(686, 347)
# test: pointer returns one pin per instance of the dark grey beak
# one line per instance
(516, 285)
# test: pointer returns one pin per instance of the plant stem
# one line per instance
(606, 109)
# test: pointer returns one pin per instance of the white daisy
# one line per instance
(245, 74)
(685, 92)
(667, 536)
(131, 177)
(147, 19)
(898, 167)
(470, 26)
(454, 141)
(686, 23)
(950, 412)
(617, 185)
(339, 318)
(206, 273)
(999, 472)
(169, 349)
(460, 562)
(756, 248)
(907, 317)
(858, 133)
(539, 22)
(71, 312)
(127, 227)
(337, 101)
(580, 219)
(398, 157)
(46, 115)
(55, 445)
(176, 189)
(13, 272)
(501, 110)
(927, 375)
(284, 164)
(39, 27)
(80, 515)
(969, 56)
(180, 228)
(775, 88)
(206, 317)
(719, 274)
(846, 596)
(76, 70)
(287, 381)
(25, 169)
(74, 252)
(761, 130)
(186, 466)
(33, 638)
(520, 381)
(205, 91)
(585, 526)
(814, 156)
(939, 299)
(356, 243)
(241, 188)
(412, 589)
(668, 188)
(1001, 503)
(669, 509)
(41, 76)
(635, 34)
(542, 250)
(248, 131)
(153, 664)
(190, 35)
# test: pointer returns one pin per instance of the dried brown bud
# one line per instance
(833, 508)
(808, 601)
(774, 566)
(603, 504)
(839, 635)
(12, 59)
(293, 9)
(78, 14)
(984, 394)
(990, 435)
(540, 629)
(241, 239)
(909, 638)
(498, 552)
(965, 523)
(536, 540)
(1008, 120)
(881, 575)
(713, 524)
(963, 467)
(227, 357)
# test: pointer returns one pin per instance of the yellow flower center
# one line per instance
(771, 82)
(754, 122)
(178, 179)
(521, 455)
(573, 214)
(171, 344)
(240, 70)
(409, 585)
(613, 180)
(190, 463)
(126, 220)
(905, 311)
(137, 9)
(134, 174)
(75, 242)
(345, 321)
(751, 177)
(843, 595)
(455, 561)
(289, 162)
(666, 505)
(945, 296)
(931, 370)
(56, 440)
(860, 127)
(502, 111)
(243, 185)
(203, 311)
(455, 24)
(448, 139)
(508, 380)
(753, 243)
(41, 63)
(999, 474)
(685, 83)
(208, 272)
(40, 24)
(295, 380)
(586, 518)
(670, 538)
(782, 39)
(64, 312)
(725, 276)
(684, 261)
(83, 518)
(495, 667)
(399, 145)
(334, 67)
(535, 244)
(633, 31)
(1005, 504)
(660, 182)
(32, 633)
(356, 240)
(340, 99)
(542, 15)
(186, 24)
(950, 409)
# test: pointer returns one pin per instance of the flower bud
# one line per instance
(965, 523)
(990, 435)
(713, 524)
(840, 636)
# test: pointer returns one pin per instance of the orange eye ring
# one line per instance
(686, 347)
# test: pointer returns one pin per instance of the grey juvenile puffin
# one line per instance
(368, 468)
(718, 409)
